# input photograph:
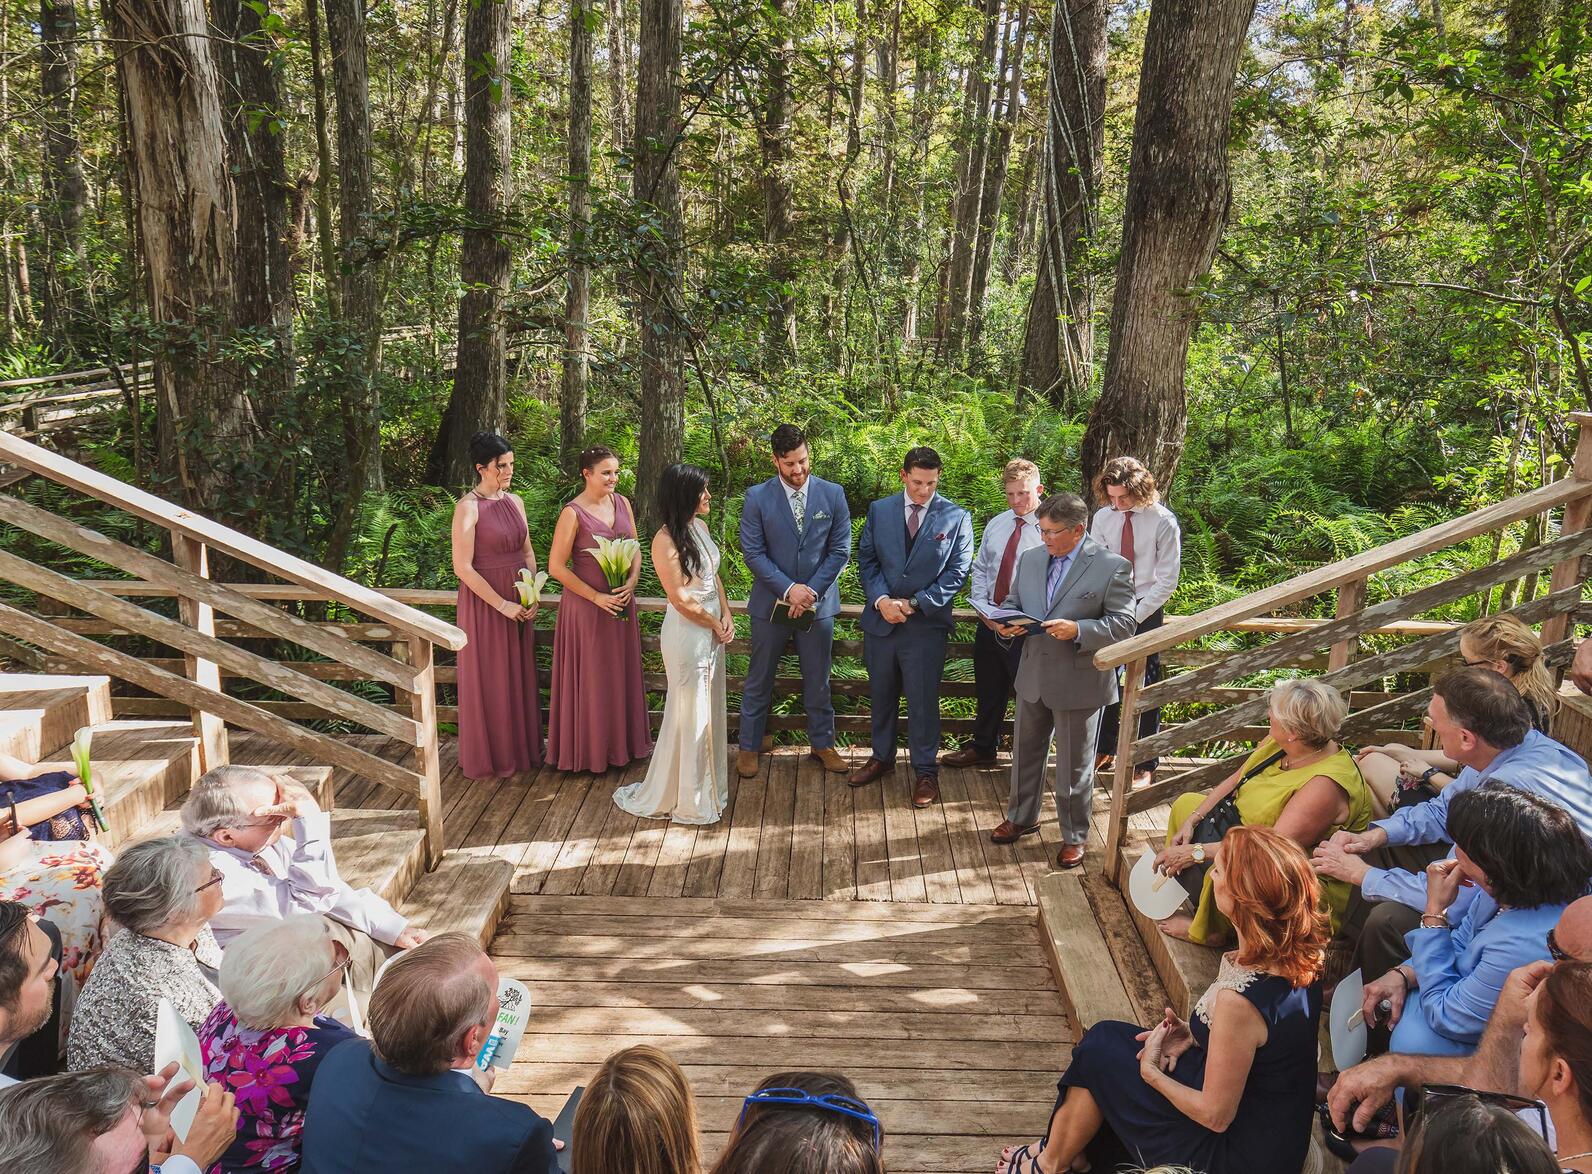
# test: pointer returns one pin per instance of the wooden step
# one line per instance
(467, 893)
(1185, 969)
(1091, 989)
(140, 768)
(380, 850)
(40, 712)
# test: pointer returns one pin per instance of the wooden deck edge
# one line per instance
(1085, 973)
(1185, 969)
(467, 893)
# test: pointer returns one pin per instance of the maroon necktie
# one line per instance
(1127, 537)
(914, 522)
(1003, 577)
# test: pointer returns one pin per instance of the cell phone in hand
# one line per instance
(564, 1127)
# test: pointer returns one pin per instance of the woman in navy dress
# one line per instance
(1231, 1090)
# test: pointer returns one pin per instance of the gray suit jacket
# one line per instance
(1098, 594)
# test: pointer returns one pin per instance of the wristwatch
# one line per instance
(1429, 772)
(1199, 853)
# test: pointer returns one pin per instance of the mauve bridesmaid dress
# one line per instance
(500, 708)
(599, 709)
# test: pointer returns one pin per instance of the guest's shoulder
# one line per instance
(1099, 516)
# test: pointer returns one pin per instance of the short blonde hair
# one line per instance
(1126, 473)
(1309, 710)
(266, 969)
(1019, 469)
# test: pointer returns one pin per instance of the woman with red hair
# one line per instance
(1231, 1090)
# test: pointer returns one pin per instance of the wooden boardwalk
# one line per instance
(813, 927)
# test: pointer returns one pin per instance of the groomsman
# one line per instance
(1007, 535)
(1132, 522)
(913, 558)
(796, 538)
(1084, 594)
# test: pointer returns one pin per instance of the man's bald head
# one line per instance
(1574, 930)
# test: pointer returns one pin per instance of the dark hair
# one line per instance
(787, 438)
(922, 457)
(1486, 704)
(487, 446)
(1531, 850)
(1564, 1009)
(591, 457)
(1467, 1135)
(1065, 509)
(51, 1123)
(679, 492)
(13, 953)
(796, 1139)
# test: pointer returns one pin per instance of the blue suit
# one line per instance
(367, 1118)
(928, 571)
(778, 557)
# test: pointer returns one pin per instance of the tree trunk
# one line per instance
(774, 135)
(659, 272)
(951, 322)
(1058, 348)
(1022, 216)
(846, 185)
(997, 164)
(572, 401)
(618, 73)
(1177, 200)
(324, 172)
(177, 136)
(924, 63)
(65, 192)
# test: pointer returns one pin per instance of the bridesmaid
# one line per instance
(500, 707)
(599, 710)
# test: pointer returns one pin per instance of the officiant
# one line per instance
(796, 539)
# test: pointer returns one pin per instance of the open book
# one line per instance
(1009, 616)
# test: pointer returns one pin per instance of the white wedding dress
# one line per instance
(688, 779)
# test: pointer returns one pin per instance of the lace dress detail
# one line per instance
(1229, 977)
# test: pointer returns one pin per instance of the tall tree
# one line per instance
(774, 131)
(65, 192)
(658, 277)
(480, 378)
(973, 147)
(997, 162)
(618, 74)
(1176, 205)
(577, 305)
(1058, 346)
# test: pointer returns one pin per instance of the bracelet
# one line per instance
(1404, 978)
(1435, 921)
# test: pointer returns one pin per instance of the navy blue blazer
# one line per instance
(367, 1118)
(932, 571)
(777, 557)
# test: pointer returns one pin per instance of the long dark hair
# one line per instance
(1470, 1136)
(487, 446)
(1564, 1010)
(788, 1139)
(680, 491)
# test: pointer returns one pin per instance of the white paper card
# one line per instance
(1154, 894)
(175, 1040)
(1346, 1022)
(514, 1012)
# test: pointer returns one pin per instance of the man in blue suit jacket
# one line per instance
(914, 555)
(796, 538)
(405, 1099)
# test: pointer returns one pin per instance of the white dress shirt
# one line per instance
(297, 875)
(1157, 552)
(987, 564)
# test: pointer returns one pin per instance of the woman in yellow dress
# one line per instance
(1299, 781)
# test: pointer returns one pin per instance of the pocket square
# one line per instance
(820, 517)
(941, 536)
(1088, 595)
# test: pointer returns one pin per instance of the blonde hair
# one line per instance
(637, 1115)
(1126, 473)
(1019, 469)
(1309, 710)
(1505, 638)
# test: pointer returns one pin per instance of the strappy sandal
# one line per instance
(1020, 1155)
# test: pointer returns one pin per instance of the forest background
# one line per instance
(1327, 266)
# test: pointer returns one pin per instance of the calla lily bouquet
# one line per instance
(530, 586)
(80, 750)
(615, 557)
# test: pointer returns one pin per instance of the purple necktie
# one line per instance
(914, 522)
(1053, 580)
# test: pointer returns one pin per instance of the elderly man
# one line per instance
(1084, 595)
(407, 1099)
(242, 814)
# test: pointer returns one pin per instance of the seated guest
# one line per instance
(104, 1121)
(1481, 723)
(1298, 780)
(267, 1037)
(636, 1115)
(1556, 1059)
(406, 1099)
(1523, 861)
(1230, 1091)
(1470, 1135)
(804, 1123)
(162, 892)
(1500, 643)
(27, 977)
(241, 814)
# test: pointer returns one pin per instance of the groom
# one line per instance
(796, 538)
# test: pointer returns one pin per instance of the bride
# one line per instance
(688, 779)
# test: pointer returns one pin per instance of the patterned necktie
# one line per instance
(1127, 537)
(798, 507)
(1003, 577)
(914, 522)
(1053, 580)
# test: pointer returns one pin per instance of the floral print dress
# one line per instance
(270, 1072)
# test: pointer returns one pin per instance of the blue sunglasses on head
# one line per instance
(829, 1102)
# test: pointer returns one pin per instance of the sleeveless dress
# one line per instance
(688, 779)
(1270, 1133)
(598, 714)
(500, 705)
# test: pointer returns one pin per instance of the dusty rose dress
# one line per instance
(599, 711)
(500, 709)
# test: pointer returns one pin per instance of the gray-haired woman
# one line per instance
(162, 892)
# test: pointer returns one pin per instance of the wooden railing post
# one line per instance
(1351, 598)
(1122, 766)
(193, 557)
(1576, 516)
(423, 705)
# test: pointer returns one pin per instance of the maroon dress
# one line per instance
(500, 708)
(599, 709)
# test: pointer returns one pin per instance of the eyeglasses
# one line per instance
(1058, 533)
(1555, 950)
(828, 1102)
(340, 954)
(215, 879)
(1430, 1098)
(1476, 664)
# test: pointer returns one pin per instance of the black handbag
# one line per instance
(67, 825)
(1217, 822)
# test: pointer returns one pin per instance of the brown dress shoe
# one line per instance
(967, 756)
(746, 763)
(1009, 833)
(927, 792)
(831, 759)
(870, 772)
(1070, 856)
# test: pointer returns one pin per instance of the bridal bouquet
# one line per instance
(615, 557)
(530, 587)
(80, 747)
